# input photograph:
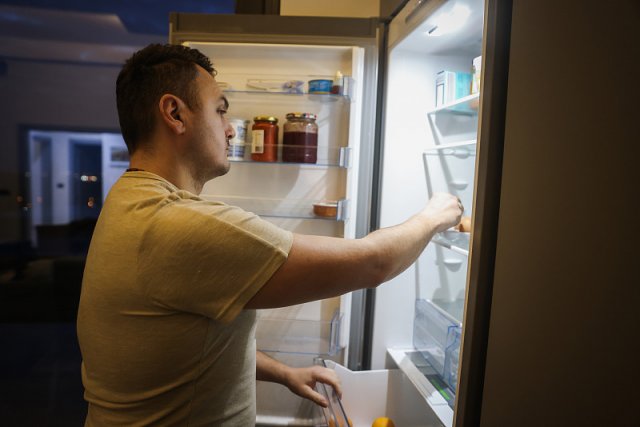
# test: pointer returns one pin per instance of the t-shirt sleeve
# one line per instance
(208, 258)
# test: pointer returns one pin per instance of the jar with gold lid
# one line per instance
(300, 138)
(264, 139)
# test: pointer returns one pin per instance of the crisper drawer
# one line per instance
(277, 406)
(368, 395)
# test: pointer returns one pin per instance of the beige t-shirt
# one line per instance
(163, 336)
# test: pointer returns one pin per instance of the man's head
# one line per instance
(148, 75)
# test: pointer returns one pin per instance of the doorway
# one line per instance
(68, 175)
(86, 172)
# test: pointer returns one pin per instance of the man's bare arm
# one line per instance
(321, 267)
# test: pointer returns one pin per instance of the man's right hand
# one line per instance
(445, 210)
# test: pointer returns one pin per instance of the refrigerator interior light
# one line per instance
(451, 21)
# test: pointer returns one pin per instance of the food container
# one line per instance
(300, 138)
(326, 209)
(451, 86)
(237, 143)
(477, 72)
(264, 139)
(320, 86)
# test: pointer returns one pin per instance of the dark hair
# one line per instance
(146, 76)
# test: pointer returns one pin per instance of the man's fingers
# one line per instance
(316, 397)
(329, 376)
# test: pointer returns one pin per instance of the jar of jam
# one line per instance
(264, 139)
(300, 138)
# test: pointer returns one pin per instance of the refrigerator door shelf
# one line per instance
(451, 170)
(467, 105)
(455, 122)
(281, 208)
(439, 398)
(462, 149)
(437, 341)
(453, 240)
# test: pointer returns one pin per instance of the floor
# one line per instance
(40, 381)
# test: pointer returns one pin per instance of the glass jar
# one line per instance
(264, 139)
(300, 138)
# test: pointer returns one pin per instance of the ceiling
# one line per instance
(137, 16)
(89, 31)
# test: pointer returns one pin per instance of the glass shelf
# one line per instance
(466, 106)
(453, 240)
(283, 208)
(299, 336)
(250, 95)
(327, 158)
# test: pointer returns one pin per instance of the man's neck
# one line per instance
(171, 170)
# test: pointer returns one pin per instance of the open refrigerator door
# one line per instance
(435, 51)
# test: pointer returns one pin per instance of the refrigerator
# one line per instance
(462, 96)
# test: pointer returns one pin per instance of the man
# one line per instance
(167, 311)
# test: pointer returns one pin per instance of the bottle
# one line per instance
(300, 138)
(477, 74)
(264, 139)
(336, 88)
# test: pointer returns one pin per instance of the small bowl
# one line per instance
(326, 209)
(320, 86)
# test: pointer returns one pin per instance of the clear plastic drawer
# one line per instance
(285, 335)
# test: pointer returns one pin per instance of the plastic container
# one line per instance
(320, 86)
(326, 209)
(300, 138)
(264, 139)
(238, 142)
(451, 86)
(236, 152)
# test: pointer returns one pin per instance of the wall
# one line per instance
(49, 80)
(350, 8)
(48, 95)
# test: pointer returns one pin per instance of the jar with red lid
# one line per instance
(300, 138)
(264, 139)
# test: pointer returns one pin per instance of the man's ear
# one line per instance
(172, 113)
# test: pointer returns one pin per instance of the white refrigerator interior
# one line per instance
(272, 80)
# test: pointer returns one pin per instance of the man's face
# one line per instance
(211, 129)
